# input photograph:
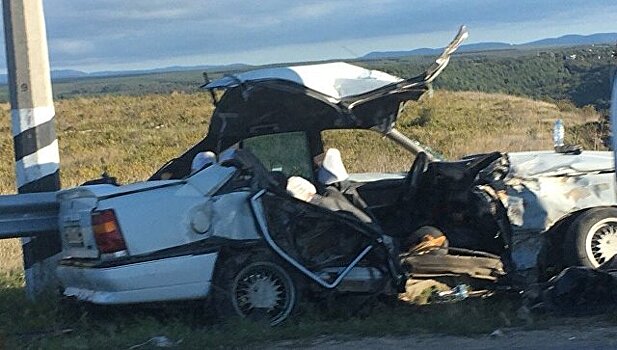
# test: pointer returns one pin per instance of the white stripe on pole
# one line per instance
(39, 164)
(27, 118)
(32, 127)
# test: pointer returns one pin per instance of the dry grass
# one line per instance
(470, 122)
(460, 123)
(127, 135)
(10, 256)
(367, 151)
(131, 136)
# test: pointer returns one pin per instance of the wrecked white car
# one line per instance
(231, 233)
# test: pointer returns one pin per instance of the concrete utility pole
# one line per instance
(33, 127)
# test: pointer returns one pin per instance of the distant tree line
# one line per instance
(581, 75)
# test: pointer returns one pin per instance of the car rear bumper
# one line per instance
(173, 278)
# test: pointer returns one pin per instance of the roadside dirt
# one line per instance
(576, 333)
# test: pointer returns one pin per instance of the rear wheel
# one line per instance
(260, 289)
(592, 238)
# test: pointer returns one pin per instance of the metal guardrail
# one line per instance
(27, 215)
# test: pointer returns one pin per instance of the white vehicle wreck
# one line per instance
(230, 231)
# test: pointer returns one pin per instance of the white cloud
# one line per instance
(72, 46)
(143, 32)
(320, 9)
(147, 14)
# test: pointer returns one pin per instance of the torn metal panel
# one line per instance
(536, 204)
(210, 179)
(484, 268)
(336, 80)
(315, 236)
(543, 188)
(232, 217)
(549, 163)
(525, 250)
(358, 279)
(370, 177)
(324, 246)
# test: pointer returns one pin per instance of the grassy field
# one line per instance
(131, 136)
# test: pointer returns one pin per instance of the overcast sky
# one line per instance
(93, 35)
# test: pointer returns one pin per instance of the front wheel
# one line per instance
(259, 290)
(592, 238)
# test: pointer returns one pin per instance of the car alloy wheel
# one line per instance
(601, 241)
(263, 291)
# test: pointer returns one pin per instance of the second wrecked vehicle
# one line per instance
(230, 232)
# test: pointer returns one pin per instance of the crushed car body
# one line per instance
(231, 231)
(546, 189)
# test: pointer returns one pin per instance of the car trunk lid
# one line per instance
(77, 206)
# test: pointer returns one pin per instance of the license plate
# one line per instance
(73, 236)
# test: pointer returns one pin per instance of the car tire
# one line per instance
(591, 239)
(259, 289)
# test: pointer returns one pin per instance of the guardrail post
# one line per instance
(34, 136)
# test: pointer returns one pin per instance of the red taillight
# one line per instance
(107, 232)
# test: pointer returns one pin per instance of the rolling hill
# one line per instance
(566, 40)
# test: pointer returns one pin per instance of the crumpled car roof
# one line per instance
(309, 98)
(337, 80)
